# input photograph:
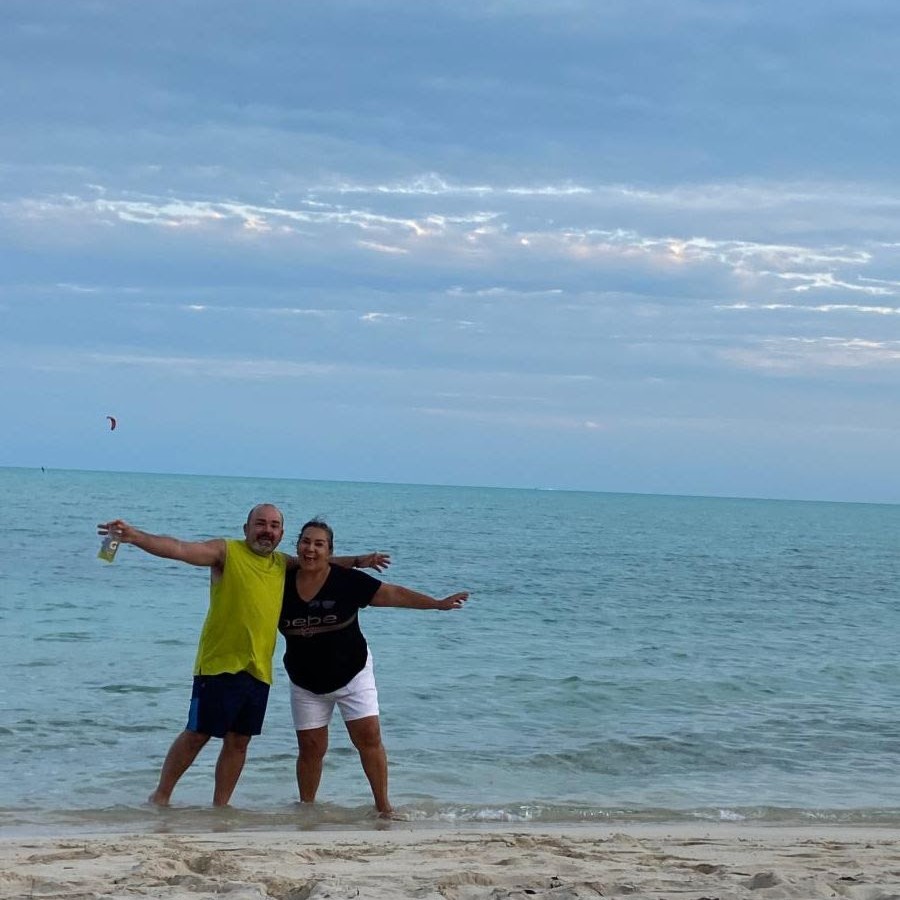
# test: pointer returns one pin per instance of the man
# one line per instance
(233, 667)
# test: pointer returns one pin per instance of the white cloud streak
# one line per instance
(489, 233)
(807, 355)
(821, 308)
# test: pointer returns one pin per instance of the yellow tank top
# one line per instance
(242, 622)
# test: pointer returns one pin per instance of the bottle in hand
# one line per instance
(109, 547)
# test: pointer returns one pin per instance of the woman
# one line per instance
(328, 660)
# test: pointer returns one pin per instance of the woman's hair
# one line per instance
(318, 523)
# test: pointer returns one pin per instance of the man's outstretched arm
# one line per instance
(195, 553)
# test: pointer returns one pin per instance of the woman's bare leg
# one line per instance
(366, 736)
(312, 744)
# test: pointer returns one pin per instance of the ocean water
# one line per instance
(622, 658)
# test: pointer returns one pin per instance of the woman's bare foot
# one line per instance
(158, 799)
(391, 814)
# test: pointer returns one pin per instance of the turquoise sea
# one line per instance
(624, 658)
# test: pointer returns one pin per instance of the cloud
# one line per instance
(378, 317)
(808, 355)
(382, 248)
(828, 281)
(514, 419)
(434, 185)
(480, 237)
(219, 368)
(821, 308)
(255, 312)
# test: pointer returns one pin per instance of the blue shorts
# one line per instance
(223, 703)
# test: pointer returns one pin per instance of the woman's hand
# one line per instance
(374, 560)
(454, 601)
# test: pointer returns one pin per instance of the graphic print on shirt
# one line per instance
(313, 623)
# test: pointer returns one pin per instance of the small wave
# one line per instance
(420, 814)
(132, 689)
(143, 729)
(70, 636)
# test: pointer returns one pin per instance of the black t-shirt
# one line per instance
(325, 647)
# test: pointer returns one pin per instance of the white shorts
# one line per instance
(357, 699)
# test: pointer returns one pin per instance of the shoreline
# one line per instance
(324, 818)
(400, 860)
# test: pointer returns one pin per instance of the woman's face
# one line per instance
(313, 548)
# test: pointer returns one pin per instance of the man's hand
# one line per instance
(121, 530)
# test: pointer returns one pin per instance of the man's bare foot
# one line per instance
(157, 799)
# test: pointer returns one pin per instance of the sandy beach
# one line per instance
(692, 863)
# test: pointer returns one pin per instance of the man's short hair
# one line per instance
(271, 506)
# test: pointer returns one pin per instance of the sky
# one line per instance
(607, 245)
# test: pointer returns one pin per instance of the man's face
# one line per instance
(264, 529)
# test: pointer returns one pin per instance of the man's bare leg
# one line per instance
(312, 744)
(229, 766)
(178, 760)
(366, 736)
